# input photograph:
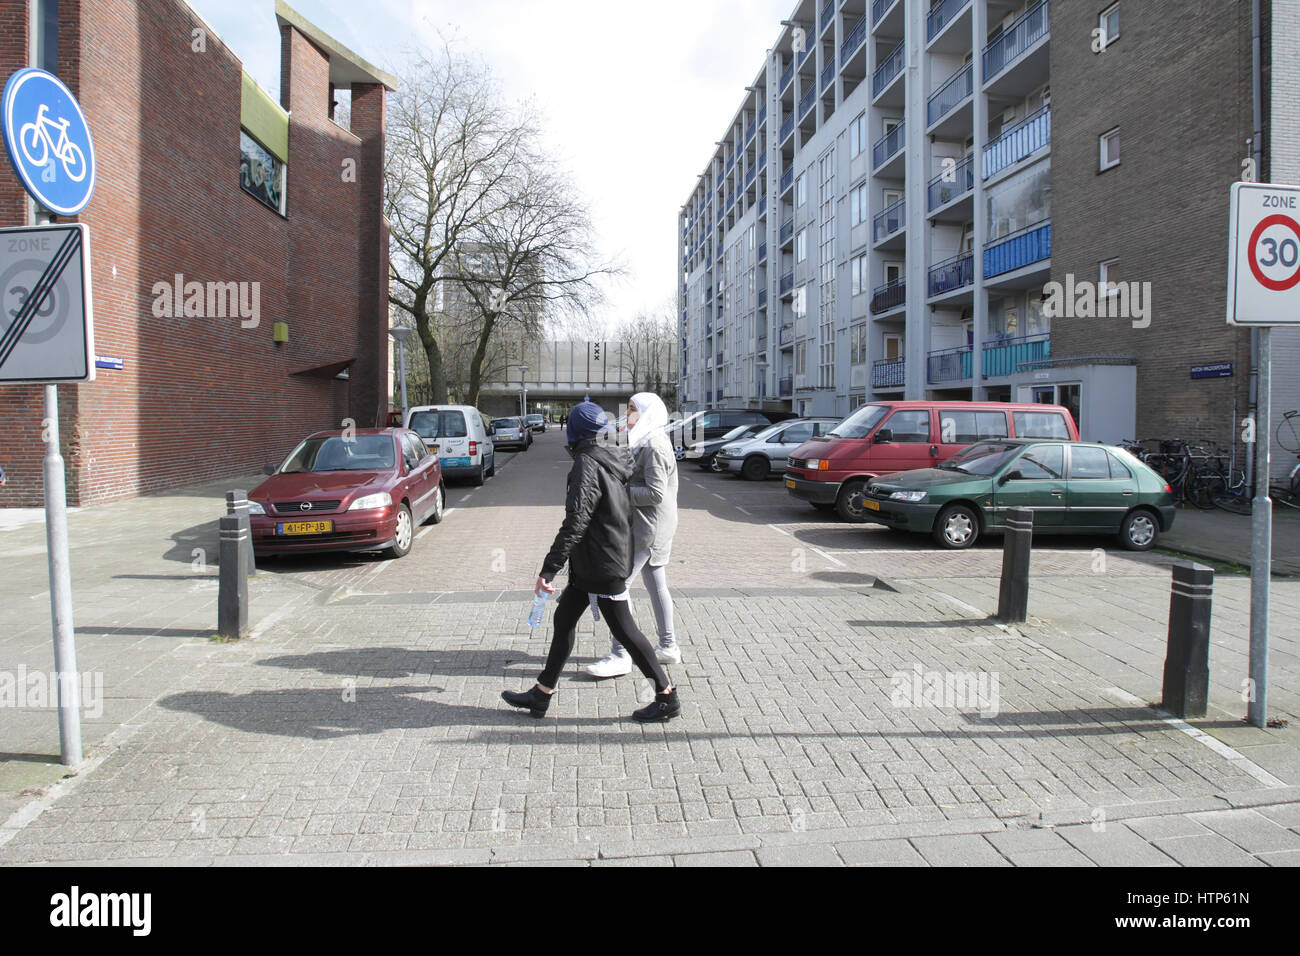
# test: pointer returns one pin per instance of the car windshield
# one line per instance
(982, 458)
(739, 431)
(337, 453)
(860, 423)
(439, 423)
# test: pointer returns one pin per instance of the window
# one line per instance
(1040, 425)
(1119, 470)
(1047, 462)
(1086, 462)
(801, 246)
(1108, 23)
(261, 174)
(794, 434)
(1020, 201)
(858, 345)
(439, 424)
(801, 189)
(966, 428)
(1108, 274)
(858, 135)
(858, 205)
(858, 275)
(1109, 143)
(910, 425)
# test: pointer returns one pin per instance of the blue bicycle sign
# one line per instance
(48, 141)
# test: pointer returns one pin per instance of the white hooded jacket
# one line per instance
(654, 480)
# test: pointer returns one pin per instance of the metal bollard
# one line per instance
(232, 596)
(1017, 542)
(237, 504)
(1187, 662)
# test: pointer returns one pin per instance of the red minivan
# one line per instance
(832, 471)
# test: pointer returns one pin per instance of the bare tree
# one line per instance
(649, 352)
(451, 147)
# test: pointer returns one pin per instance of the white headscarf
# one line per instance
(654, 416)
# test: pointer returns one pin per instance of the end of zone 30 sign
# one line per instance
(1264, 255)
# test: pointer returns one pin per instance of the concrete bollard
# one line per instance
(237, 504)
(232, 596)
(1017, 542)
(1187, 660)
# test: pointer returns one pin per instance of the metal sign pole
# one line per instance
(56, 537)
(1261, 539)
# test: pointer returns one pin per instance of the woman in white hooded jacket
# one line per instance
(654, 522)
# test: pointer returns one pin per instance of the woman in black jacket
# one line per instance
(596, 541)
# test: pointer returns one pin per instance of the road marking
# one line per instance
(829, 558)
(718, 496)
(425, 531)
(779, 530)
(743, 511)
(1239, 760)
(447, 512)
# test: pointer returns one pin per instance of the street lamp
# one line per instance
(523, 371)
(401, 334)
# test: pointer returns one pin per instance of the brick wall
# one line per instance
(1177, 83)
(204, 398)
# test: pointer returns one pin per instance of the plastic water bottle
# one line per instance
(595, 607)
(539, 608)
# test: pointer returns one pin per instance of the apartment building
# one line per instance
(881, 218)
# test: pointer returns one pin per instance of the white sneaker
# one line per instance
(611, 665)
(668, 654)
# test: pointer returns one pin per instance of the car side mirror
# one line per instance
(268, 469)
(1011, 476)
(884, 435)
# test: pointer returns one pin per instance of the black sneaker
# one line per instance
(663, 707)
(533, 699)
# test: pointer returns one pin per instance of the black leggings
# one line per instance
(569, 610)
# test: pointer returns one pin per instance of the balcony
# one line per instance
(731, 162)
(878, 8)
(762, 210)
(1022, 248)
(1003, 356)
(787, 179)
(786, 128)
(762, 298)
(887, 71)
(787, 283)
(719, 359)
(708, 396)
(945, 99)
(786, 76)
(940, 15)
(888, 145)
(887, 373)
(807, 101)
(888, 296)
(853, 39)
(1024, 139)
(787, 335)
(828, 73)
(787, 231)
(956, 180)
(749, 131)
(785, 386)
(1016, 40)
(762, 115)
(949, 365)
(888, 221)
(954, 273)
(749, 176)
(762, 251)
(828, 12)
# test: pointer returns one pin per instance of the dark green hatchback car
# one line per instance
(1072, 487)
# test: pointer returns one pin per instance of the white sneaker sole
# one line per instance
(664, 657)
(596, 670)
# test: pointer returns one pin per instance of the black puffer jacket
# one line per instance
(596, 537)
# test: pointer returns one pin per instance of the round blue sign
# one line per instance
(48, 141)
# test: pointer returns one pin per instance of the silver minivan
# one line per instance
(766, 453)
(465, 449)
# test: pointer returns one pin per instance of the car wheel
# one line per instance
(404, 534)
(439, 506)
(848, 505)
(477, 480)
(756, 468)
(492, 467)
(1139, 530)
(956, 527)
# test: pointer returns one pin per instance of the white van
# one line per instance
(465, 448)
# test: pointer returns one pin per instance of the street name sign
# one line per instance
(1264, 254)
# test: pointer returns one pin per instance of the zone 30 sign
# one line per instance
(1264, 255)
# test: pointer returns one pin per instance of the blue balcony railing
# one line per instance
(885, 73)
(787, 179)
(749, 176)
(731, 162)
(853, 39)
(718, 361)
(762, 298)
(786, 386)
(949, 365)
(787, 128)
(1031, 27)
(952, 273)
(762, 115)
(940, 15)
(828, 11)
(787, 283)
(787, 335)
(762, 251)
(888, 145)
(888, 221)
(1024, 139)
(887, 373)
(1003, 356)
(888, 296)
(878, 8)
(954, 181)
(1022, 248)
(787, 230)
(787, 75)
(762, 158)
(762, 207)
(803, 57)
(709, 396)
(828, 73)
(807, 100)
(945, 98)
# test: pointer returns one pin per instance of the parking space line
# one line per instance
(718, 496)
(780, 530)
(743, 511)
(424, 531)
(829, 558)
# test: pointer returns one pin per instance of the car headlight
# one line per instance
(728, 451)
(381, 500)
(907, 496)
(817, 464)
(254, 508)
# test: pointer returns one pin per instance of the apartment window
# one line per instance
(1108, 274)
(801, 190)
(858, 135)
(858, 274)
(261, 174)
(1108, 23)
(801, 245)
(858, 345)
(858, 205)
(1109, 143)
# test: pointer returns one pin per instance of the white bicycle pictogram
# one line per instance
(66, 151)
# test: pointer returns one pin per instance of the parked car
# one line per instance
(512, 432)
(714, 423)
(881, 438)
(340, 491)
(703, 452)
(1072, 488)
(536, 422)
(767, 452)
(465, 449)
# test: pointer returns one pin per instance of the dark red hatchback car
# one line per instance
(362, 490)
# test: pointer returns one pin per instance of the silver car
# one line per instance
(766, 453)
(512, 432)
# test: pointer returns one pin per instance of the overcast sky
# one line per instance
(632, 95)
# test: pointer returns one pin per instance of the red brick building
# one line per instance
(203, 179)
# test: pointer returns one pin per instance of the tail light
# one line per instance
(473, 448)
(1169, 489)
